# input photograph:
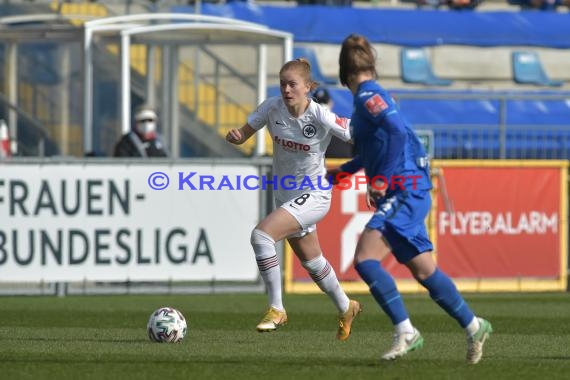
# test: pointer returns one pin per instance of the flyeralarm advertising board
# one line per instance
(495, 225)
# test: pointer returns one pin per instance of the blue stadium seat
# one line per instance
(527, 69)
(416, 68)
(464, 127)
(309, 55)
(537, 112)
(451, 112)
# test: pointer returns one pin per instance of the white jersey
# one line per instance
(299, 144)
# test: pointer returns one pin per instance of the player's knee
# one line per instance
(259, 237)
(263, 244)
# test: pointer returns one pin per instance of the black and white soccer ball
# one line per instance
(166, 325)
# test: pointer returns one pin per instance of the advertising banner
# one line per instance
(495, 225)
(119, 222)
(503, 226)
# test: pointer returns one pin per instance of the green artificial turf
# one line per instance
(104, 337)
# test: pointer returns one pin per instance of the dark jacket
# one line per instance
(131, 145)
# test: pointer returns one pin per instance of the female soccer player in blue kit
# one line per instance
(387, 147)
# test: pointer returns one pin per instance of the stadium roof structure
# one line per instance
(38, 27)
(19, 29)
(170, 30)
(173, 31)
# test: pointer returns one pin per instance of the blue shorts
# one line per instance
(400, 217)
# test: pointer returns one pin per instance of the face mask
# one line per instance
(147, 129)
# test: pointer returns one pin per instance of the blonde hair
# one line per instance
(356, 56)
(303, 67)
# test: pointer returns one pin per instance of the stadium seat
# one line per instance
(416, 68)
(309, 55)
(527, 69)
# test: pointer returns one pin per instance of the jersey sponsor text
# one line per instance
(291, 145)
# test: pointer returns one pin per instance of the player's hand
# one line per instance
(376, 191)
(234, 136)
(335, 174)
(370, 202)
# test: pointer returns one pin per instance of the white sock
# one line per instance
(268, 264)
(472, 327)
(324, 276)
(404, 327)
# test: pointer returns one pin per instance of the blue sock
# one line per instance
(443, 291)
(383, 289)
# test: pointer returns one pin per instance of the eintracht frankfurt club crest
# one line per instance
(309, 131)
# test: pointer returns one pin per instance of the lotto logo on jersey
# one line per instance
(291, 145)
(375, 105)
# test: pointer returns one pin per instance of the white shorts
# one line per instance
(308, 209)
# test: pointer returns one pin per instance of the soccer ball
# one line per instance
(166, 325)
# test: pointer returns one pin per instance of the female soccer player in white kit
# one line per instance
(301, 131)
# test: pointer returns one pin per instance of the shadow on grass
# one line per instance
(275, 363)
(75, 339)
(555, 358)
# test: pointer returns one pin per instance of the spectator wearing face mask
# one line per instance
(143, 139)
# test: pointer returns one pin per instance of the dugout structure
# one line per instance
(213, 66)
(73, 81)
(38, 56)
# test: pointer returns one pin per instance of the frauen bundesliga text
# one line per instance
(342, 181)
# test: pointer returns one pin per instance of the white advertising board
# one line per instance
(105, 222)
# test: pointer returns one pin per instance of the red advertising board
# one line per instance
(497, 226)
(503, 222)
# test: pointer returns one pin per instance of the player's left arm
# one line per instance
(393, 124)
(352, 166)
(337, 125)
(381, 111)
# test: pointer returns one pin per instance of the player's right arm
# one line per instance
(255, 121)
(238, 136)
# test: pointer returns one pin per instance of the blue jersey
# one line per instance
(385, 145)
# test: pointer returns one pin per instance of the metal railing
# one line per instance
(501, 138)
